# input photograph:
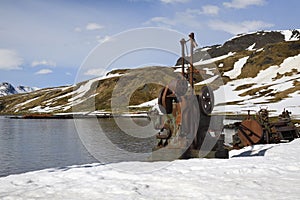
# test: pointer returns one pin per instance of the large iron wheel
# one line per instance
(206, 100)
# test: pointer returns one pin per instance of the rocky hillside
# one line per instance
(243, 42)
(255, 69)
(91, 95)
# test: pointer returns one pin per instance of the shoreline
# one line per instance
(108, 115)
(77, 116)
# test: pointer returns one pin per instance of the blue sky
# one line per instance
(43, 43)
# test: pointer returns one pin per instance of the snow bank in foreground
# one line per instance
(263, 172)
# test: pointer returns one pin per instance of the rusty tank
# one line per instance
(186, 128)
(259, 129)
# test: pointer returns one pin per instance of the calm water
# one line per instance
(34, 144)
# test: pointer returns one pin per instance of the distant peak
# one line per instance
(8, 89)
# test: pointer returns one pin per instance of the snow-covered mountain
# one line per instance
(256, 69)
(25, 89)
(9, 89)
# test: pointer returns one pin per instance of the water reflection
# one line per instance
(108, 143)
(34, 144)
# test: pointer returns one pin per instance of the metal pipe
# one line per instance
(182, 42)
(192, 41)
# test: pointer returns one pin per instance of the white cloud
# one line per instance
(174, 1)
(210, 10)
(93, 26)
(10, 60)
(187, 18)
(44, 71)
(162, 22)
(95, 72)
(236, 28)
(205, 10)
(89, 27)
(43, 62)
(238, 4)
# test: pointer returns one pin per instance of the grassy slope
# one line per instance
(146, 83)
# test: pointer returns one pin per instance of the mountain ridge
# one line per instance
(8, 89)
(243, 41)
(261, 68)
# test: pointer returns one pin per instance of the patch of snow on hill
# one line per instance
(256, 172)
(230, 93)
(212, 60)
(179, 69)
(209, 71)
(290, 63)
(84, 88)
(26, 102)
(208, 81)
(265, 78)
(291, 103)
(205, 49)
(237, 68)
(47, 109)
(240, 35)
(288, 35)
(251, 47)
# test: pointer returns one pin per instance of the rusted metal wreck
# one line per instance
(184, 119)
(260, 129)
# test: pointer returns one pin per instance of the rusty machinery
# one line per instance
(183, 120)
(259, 129)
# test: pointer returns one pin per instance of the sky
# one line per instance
(46, 43)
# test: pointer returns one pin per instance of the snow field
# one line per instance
(260, 172)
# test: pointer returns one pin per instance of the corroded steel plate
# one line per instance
(250, 132)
